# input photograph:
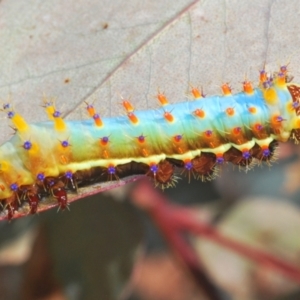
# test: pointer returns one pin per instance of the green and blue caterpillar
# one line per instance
(54, 158)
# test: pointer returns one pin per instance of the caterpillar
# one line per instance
(54, 159)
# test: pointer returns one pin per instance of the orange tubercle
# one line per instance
(97, 120)
(226, 89)
(199, 113)
(92, 113)
(177, 138)
(168, 116)
(133, 118)
(162, 99)
(230, 111)
(128, 106)
(90, 109)
(141, 139)
(276, 121)
(257, 127)
(208, 133)
(263, 76)
(247, 87)
(236, 130)
(252, 109)
(196, 93)
(281, 80)
(104, 140)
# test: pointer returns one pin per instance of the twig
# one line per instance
(173, 220)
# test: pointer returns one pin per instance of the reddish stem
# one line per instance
(173, 220)
(162, 217)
